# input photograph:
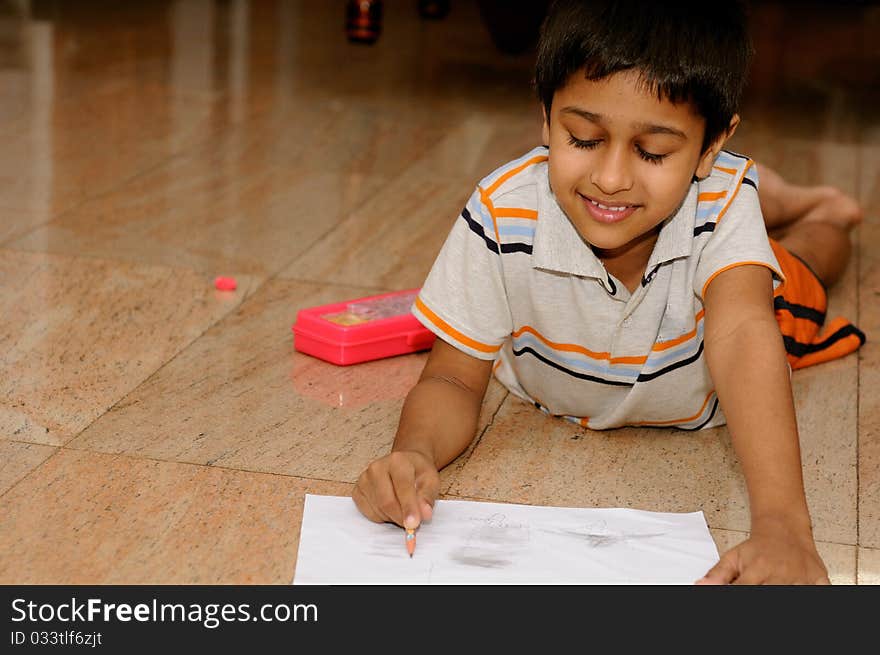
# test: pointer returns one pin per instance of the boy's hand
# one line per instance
(400, 487)
(773, 555)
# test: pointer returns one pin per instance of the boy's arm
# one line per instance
(746, 358)
(437, 423)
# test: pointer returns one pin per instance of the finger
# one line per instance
(379, 491)
(427, 510)
(403, 479)
(752, 577)
(756, 570)
(724, 572)
(366, 508)
(428, 486)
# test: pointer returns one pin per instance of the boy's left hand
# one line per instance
(774, 555)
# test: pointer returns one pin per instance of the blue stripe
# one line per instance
(531, 341)
(477, 229)
(645, 377)
(582, 376)
(492, 177)
(516, 230)
(654, 362)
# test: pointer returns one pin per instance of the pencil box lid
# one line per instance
(361, 329)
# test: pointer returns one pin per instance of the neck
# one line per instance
(639, 249)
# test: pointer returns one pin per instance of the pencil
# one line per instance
(410, 541)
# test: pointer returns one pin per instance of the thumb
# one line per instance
(724, 572)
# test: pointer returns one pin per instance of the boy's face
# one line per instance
(621, 161)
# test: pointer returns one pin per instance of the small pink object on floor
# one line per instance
(225, 283)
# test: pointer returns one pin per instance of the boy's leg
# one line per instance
(785, 205)
(813, 222)
(825, 247)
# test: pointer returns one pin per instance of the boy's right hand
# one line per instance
(400, 487)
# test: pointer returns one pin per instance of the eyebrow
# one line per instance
(649, 128)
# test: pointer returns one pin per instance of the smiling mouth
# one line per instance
(608, 206)
(607, 212)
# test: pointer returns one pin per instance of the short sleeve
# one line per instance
(463, 300)
(732, 230)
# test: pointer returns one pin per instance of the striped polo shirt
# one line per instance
(515, 282)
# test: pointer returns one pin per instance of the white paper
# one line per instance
(495, 543)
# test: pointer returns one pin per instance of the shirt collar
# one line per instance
(559, 247)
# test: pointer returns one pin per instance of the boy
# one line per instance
(622, 274)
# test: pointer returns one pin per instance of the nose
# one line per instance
(611, 173)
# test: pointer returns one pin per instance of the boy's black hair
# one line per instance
(685, 51)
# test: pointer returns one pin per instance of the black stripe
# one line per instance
(477, 228)
(612, 285)
(751, 183)
(582, 376)
(516, 247)
(650, 276)
(711, 414)
(644, 377)
(799, 349)
(799, 311)
(705, 227)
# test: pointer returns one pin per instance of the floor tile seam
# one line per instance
(135, 263)
(370, 288)
(82, 202)
(184, 347)
(187, 149)
(469, 451)
(857, 256)
(32, 470)
(201, 465)
(284, 265)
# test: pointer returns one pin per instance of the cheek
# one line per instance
(666, 187)
(566, 169)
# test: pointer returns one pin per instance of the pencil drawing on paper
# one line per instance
(469, 542)
(492, 542)
(597, 534)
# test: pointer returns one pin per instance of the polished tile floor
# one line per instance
(154, 430)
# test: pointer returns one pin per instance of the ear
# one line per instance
(545, 130)
(704, 167)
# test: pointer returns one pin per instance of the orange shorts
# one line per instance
(801, 303)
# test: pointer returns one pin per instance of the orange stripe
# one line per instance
(734, 265)
(681, 420)
(501, 180)
(486, 194)
(725, 170)
(735, 191)
(486, 200)
(515, 212)
(685, 337)
(711, 195)
(452, 332)
(569, 347)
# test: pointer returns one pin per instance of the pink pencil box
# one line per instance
(363, 329)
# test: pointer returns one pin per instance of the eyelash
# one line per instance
(649, 157)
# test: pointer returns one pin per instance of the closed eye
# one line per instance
(650, 157)
(584, 145)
